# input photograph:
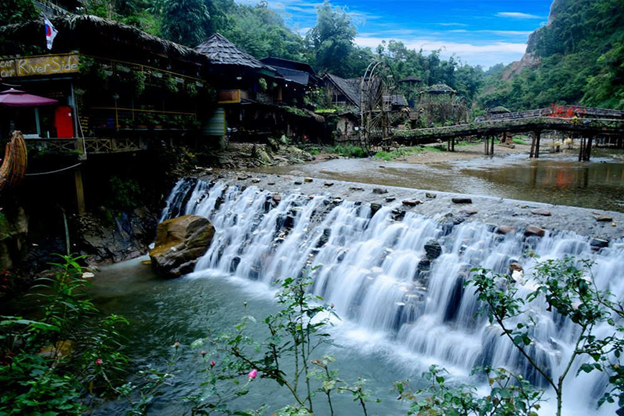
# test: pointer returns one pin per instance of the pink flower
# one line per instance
(252, 374)
(99, 361)
(176, 344)
(212, 363)
(203, 353)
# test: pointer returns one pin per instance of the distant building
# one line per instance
(257, 99)
(439, 104)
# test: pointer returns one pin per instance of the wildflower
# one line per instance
(252, 374)
(99, 361)
(203, 353)
(176, 345)
(212, 363)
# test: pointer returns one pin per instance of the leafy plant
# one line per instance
(567, 287)
(49, 363)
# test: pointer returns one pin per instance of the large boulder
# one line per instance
(179, 243)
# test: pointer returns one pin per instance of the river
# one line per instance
(597, 184)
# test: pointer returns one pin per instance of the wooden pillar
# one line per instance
(453, 145)
(532, 153)
(485, 142)
(80, 199)
(581, 149)
(588, 148)
(538, 136)
(448, 145)
(492, 146)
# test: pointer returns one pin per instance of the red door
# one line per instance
(64, 122)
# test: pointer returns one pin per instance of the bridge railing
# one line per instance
(579, 111)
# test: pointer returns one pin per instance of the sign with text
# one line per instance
(38, 65)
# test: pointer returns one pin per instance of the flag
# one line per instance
(50, 32)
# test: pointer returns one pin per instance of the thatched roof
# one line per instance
(350, 88)
(411, 78)
(223, 52)
(499, 110)
(91, 31)
(397, 100)
(440, 89)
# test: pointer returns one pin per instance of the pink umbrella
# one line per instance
(17, 98)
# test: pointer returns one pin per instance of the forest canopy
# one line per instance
(578, 58)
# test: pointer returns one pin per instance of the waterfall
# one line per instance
(396, 272)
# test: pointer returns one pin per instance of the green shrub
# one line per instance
(48, 364)
(348, 150)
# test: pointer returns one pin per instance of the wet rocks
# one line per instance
(380, 191)
(298, 183)
(374, 208)
(324, 238)
(277, 198)
(505, 229)
(398, 214)
(308, 180)
(433, 249)
(469, 211)
(430, 195)
(256, 180)
(328, 184)
(356, 188)
(598, 243)
(390, 199)
(515, 267)
(411, 202)
(534, 230)
(541, 212)
(179, 243)
(603, 218)
(461, 200)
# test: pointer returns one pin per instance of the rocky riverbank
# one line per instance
(505, 215)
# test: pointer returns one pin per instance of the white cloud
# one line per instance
(452, 24)
(518, 15)
(485, 55)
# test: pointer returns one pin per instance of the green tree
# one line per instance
(17, 11)
(185, 21)
(331, 43)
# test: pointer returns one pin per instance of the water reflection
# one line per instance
(598, 184)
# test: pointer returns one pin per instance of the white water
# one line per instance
(370, 273)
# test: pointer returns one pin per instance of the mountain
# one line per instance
(576, 58)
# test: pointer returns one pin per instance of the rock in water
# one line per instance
(179, 243)
(461, 200)
(534, 230)
(433, 249)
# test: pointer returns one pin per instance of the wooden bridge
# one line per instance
(586, 128)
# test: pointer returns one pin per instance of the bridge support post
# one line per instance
(538, 136)
(80, 198)
(587, 150)
(492, 145)
(486, 144)
(532, 152)
(453, 144)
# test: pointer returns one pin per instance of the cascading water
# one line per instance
(397, 273)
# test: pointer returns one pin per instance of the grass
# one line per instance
(388, 156)
(348, 150)
(518, 141)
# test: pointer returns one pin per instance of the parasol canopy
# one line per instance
(17, 98)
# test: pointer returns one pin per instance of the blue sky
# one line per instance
(479, 32)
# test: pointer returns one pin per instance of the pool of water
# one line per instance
(162, 312)
(561, 181)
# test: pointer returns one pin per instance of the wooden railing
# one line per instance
(91, 145)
